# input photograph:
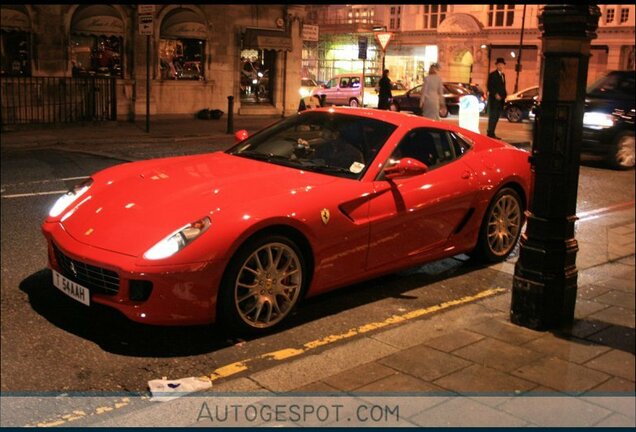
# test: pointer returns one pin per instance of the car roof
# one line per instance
(393, 117)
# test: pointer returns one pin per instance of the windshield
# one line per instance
(306, 82)
(336, 144)
(613, 85)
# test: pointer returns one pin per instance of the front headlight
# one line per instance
(598, 120)
(178, 240)
(69, 197)
(304, 92)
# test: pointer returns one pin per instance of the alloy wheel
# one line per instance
(268, 285)
(504, 224)
(625, 152)
(514, 114)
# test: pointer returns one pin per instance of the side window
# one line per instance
(355, 82)
(417, 91)
(344, 82)
(431, 147)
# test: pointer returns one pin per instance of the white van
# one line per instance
(346, 89)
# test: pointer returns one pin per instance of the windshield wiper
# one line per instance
(269, 157)
(325, 168)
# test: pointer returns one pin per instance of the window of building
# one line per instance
(394, 22)
(182, 45)
(434, 15)
(609, 15)
(96, 42)
(501, 15)
(16, 53)
(15, 41)
(96, 55)
(624, 15)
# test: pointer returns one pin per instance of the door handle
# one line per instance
(466, 175)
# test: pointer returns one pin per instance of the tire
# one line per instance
(394, 107)
(622, 153)
(443, 113)
(262, 285)
(514, 114)
(354, 103)
(501, 227)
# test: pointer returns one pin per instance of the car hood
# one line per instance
(597, 104)
(132, 206)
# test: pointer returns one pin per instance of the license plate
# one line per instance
(72, 289)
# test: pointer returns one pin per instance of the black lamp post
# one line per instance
(545, 281)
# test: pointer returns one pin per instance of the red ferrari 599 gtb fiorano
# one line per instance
(320, 200)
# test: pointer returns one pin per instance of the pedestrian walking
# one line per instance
(496, 96)
(385, 91)
(432, 98)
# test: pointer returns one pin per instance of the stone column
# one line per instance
(545, 281)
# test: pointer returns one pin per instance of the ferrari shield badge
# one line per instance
(324, 215)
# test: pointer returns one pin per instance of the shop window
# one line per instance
(501, 15)
(16, 53)
(257, 67)
(181, 59)
(96, 55)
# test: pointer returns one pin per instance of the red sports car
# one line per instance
(320, 200)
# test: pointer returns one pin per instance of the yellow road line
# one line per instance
(286, 353)
(283, 354)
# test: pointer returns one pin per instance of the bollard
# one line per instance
(230, 114)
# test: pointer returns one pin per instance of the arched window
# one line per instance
(97, 38)
(15, 40)
(182, 45)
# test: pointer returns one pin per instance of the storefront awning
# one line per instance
(266, 39)
(14, 19)
(183, 23)
(99, 20)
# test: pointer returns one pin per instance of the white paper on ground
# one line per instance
(164, 390)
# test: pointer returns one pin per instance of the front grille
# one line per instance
(96, 279)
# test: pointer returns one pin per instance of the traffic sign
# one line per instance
(146, 26)
(384, 39)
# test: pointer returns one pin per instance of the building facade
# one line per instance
(464, 39)
(198, 56)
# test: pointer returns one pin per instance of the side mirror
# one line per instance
(405, 167)
(240, 135)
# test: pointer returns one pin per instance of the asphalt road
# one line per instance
(51, 343)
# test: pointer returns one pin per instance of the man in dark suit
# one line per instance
(385, 91)
(496, 96)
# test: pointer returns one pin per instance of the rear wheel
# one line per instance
(394, 106)
(354, 103)
(501, 227)
(514, 114)
(262, 285)
(622, 153)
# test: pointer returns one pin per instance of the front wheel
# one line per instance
(354, 103)
(501, 227)
(394, 107)
(262, 285)
(622, 153)
(514, 114)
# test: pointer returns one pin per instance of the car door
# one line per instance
(330, 90)
(412, 100)
(412, 218)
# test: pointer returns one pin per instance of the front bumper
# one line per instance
(181, 295)
(597, 141)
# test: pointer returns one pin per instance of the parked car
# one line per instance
(410, 101)
(348, 89)
(608, 122)
(321, 200)
(307, 85)
(518, 105)
(477, 92)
